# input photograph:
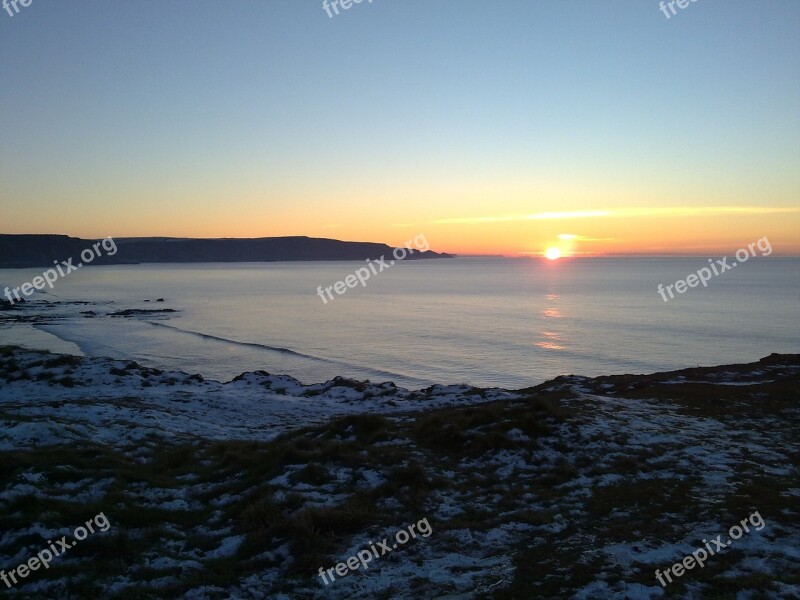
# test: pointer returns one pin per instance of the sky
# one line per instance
(489, 127)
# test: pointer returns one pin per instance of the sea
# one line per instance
(489, 322)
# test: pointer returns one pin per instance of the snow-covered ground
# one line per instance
(118, 402)
(577, 488)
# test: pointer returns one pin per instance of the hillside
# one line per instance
(576, 488)
(18, 251)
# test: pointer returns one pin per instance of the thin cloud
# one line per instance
(571, 237)
(580, 214)
(682, 211)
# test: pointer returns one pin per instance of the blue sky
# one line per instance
(448, 109)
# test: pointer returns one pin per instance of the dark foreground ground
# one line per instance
(577, 488)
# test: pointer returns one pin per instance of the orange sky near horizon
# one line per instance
(706, 231)
(490, 212)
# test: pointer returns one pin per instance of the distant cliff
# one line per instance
(18, 251)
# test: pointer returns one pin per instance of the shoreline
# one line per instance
(43, 376)
(245, 375)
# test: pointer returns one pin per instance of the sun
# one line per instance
(552, 253)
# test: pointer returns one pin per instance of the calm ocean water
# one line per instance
(483, 321)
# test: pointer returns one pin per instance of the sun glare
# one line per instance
(553, 253)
